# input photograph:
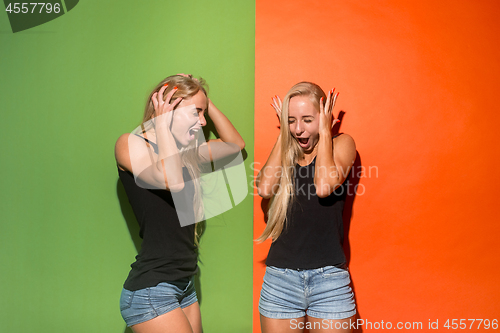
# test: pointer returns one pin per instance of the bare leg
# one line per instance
(329, 325)
(174, 321)
(269, 325)
(193, 314)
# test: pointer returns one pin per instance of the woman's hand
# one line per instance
(163, 107)
(277, 105)
(326, 119)
(187, 75)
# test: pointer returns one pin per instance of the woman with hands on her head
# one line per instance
(159, 163)
(307, 283)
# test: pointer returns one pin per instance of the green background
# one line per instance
(69, 88)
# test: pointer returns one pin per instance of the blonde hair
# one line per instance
(187, 87)
(291, 152)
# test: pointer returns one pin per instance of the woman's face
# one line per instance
(303, 121)
(189, 117)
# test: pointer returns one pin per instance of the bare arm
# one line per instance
(162, 170)
(335, 156)
(229, 142)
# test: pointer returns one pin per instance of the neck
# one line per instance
(307, 157)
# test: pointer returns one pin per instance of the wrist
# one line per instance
(211, 106)
(327, 134)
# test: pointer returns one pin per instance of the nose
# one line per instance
(203, 121)
(299, 128)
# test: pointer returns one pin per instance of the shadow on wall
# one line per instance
(349, 202)
(353, 181)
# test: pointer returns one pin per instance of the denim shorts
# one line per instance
(320, 293)
(145, 304)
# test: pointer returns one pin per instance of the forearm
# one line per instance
(326, 175)
(168, 167)
(270, 173)
(227, 132)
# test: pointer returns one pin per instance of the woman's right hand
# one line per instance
(276, 104)
(163, 107)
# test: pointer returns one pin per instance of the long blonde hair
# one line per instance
(186, 87)
(291, 152)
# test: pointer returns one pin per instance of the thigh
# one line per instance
(331, 295)
(146, 304)
(270, 325)
(282, 295)
(318, 325)
(193, 314)
(174, 321)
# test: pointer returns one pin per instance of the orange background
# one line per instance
(418, 83)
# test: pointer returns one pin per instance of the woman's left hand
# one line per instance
(326, 119)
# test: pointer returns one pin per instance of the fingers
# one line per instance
(159, 96)
(189, 76)
(177, 101)
(154, 99)
(161, 104)
(334, 98)
(328, 101)
(169, 95)
(333, 101)
(276, 104)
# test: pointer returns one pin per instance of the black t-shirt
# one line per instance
(168, 252)
(314, 231)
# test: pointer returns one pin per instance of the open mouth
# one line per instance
(193, 132)
(303, 141)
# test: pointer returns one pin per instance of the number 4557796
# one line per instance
(471, 324)
(24, 7)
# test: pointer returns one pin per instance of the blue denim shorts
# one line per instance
(320, 293)
(145, 304)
